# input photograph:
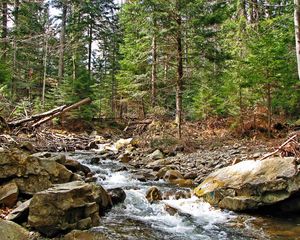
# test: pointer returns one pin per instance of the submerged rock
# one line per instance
(117, 195)
(251, 184)
(74, 205)
(153, 195)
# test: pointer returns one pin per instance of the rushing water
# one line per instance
(140, 220)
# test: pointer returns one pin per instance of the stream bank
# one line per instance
(121, 164)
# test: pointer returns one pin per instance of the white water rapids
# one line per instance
(137, 219)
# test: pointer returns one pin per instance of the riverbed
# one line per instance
(137, 219)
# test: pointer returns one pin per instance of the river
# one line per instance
(137, 219)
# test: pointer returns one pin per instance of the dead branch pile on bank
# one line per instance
(290, 148)
(51, 140)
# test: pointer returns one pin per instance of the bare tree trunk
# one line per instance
(62, 40)
(45, 69)
(254, 15)
(113, 81)
(179, 81)
(269, 103)
(154, 71)
(90, 49)
(243, 9)
(297, 33)
(4, 28)
(16, 25)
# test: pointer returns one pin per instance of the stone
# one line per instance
(191, 175)
(153, 195)
(76, 166)
(251, 184)
(9, 194)
(172, 175)
(170, 210)
(95, 160)
(124, 158)
(12, 231)
(28, 146)
(33, 183)
(159, 162)
(121, 143)
(173, 194)
(85, 235)
(157, 154)
(17, 163)
(161, 173)
(117, 195)
(59, 158)
(74, 205)
(20, 213)
(183, 182)
(33, 174)
(58, 173)
(182, 194)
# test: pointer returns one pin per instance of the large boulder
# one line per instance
(17, 163)
(11, 231)
(32, 173)
(251, 184)
(74, 205)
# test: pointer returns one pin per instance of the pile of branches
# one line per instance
(290, 148)
(52, 141)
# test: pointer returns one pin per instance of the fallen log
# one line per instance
(44, 117)
(64, 110)
(19, 122)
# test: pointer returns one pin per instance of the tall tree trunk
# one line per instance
(45, 69)
(4, 28)
(269, 103)
(113, 81)
(16, 25)
(179, 80)
(90, 49)
(243, 9)
(154, 71)
(297, 33)
(62, 40)
(254, 15)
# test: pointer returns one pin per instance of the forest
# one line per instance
(149, 119)
(183, 60)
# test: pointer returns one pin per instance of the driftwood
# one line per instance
(41, 118)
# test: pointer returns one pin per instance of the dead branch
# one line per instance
(291, 139)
